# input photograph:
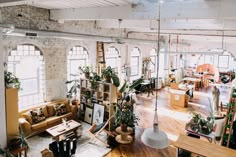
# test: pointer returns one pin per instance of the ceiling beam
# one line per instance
(138, 11)
(10, 1)
(194, 9)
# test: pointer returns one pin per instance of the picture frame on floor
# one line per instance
(98, 114)
(88, 115)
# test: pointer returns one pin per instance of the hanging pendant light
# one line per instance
(154, 137)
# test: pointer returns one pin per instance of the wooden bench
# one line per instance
(202, 148)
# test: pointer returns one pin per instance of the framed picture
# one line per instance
(88, 115)
(223, 61)
(98, 114)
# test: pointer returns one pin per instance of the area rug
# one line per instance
(85, 147)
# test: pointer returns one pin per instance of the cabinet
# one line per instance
(12, 113)
(99, 92)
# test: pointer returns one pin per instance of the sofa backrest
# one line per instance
(47, 109)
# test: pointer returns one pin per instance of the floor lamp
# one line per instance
(154, 137)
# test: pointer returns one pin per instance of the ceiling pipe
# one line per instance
(77, 36)
(163, 33)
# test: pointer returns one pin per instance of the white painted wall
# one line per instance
(2, 99)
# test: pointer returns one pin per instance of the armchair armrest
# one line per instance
(25, 125)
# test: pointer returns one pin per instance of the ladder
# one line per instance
(101, 63)
(228, 127)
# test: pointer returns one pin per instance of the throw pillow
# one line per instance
(60, 109)
(37, 116)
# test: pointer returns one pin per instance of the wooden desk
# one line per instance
(196, 81)
(203, 148)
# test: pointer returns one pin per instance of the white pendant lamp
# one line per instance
(154, 137)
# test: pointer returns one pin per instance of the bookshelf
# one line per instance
(99, 92)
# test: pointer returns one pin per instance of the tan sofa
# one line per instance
(29, 128)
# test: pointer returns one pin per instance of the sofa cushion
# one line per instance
(51, 111)
(27, 116)
(39, 125)
(37, 116)
(60, 109)
(53, 119)
(45, 111)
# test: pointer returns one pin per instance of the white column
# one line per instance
(166, 62)
(3, 138)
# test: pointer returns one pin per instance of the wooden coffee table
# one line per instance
(61, 129)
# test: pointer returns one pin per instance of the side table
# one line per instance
(124, 137)
(18, 151)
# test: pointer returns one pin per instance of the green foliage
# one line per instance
(94, 79)
(11, 78)
(108, 73)
(86, 69)
(201, 124)
(74, 88)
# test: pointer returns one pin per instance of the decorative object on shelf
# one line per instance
(110, 76)
(88, 115)
(74, 90)
(98, 113)
(11, 81)
(124, 115)
(154, 137)
(86, 70)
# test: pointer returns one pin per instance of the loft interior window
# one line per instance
(77, 56)
(135, 61)
(153, 64)
(112, 58)
(27, 63)
(223, 61)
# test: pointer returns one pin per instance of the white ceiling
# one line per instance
(199, 23)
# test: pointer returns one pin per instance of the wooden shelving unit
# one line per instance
(230, 116)
(104, 94)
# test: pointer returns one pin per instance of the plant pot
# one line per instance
(15, 142)
(87, 75)
(75, 102)
(10, 85)
(124, 127)
(108, 79)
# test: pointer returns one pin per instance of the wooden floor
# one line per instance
(172, 120)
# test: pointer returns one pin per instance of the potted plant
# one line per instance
(94, 79)
(124, 115)
(74, 90)
(86, 70)
(11, 81)
(110, 76)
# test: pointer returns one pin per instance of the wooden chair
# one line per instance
(63, 148)
(95, 130)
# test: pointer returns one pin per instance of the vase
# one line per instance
(87, 75)
(124, 127)
(75, 102)
(108, 79)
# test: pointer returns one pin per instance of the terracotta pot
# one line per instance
(124, 127)
(108, 79)
(87, 75)
(75, 102)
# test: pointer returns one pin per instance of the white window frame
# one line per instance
(135, 53)
(77, 53)
(28, 100)
(113, 53)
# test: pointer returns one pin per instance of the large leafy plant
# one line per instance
(110, 75)
(124, 112)
(75, 87)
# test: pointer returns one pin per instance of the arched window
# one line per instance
(112, 59)
(27, 63)
(153, 56)
(77, 56)
(135, 61)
